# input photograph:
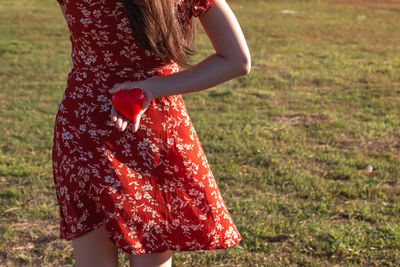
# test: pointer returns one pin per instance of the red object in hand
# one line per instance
(129, 103)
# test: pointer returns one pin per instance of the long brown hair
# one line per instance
(155, 26)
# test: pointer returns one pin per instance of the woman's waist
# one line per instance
(137, 71)
(92, 83)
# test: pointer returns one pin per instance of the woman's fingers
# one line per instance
(135, 123)
(124, 124)
(114, 114)
(119, 121)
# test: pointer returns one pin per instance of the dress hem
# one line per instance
(237, 241)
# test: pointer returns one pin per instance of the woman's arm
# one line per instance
(232, 58)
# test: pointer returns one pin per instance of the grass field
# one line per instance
(288, 143)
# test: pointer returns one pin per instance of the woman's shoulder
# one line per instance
(196, 8)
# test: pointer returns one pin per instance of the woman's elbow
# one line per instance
(244, 66)
(238, 64)
(247, 66)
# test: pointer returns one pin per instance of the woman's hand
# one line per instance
(120, 121)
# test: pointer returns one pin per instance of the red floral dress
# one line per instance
(153, 189)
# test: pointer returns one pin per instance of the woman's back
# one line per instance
(101, 36)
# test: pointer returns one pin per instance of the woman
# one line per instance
(143, 186)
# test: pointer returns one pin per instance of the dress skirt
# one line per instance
(153, 189)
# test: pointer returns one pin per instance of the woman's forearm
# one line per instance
(208, 73)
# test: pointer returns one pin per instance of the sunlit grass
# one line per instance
(288, 143)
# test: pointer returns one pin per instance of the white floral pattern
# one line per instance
(153, 189)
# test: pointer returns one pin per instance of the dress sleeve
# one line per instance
(200, 7)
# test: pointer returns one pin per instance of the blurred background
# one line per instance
(305, 149)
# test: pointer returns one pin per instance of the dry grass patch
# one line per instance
(388, 143)
(33, 242)
(301, 118)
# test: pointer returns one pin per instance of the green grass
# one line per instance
(287, 143)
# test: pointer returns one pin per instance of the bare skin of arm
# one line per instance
(231, 59)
